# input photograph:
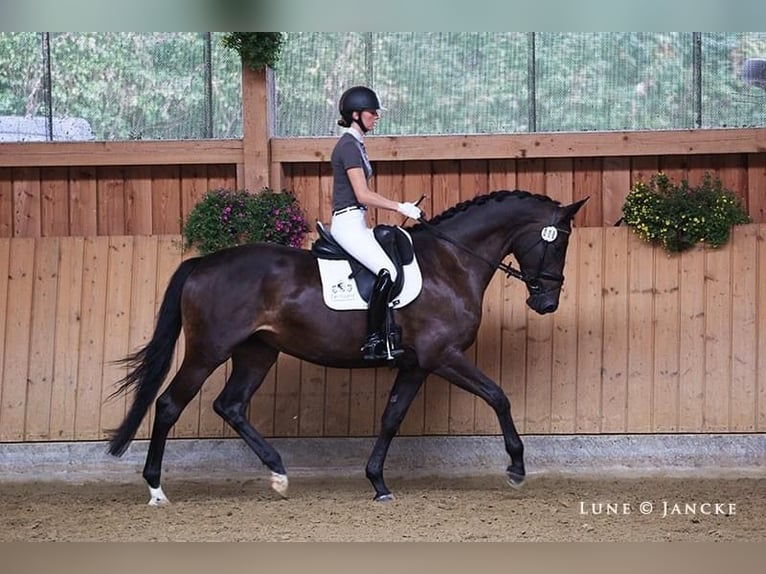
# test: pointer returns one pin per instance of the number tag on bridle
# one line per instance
(549, 233)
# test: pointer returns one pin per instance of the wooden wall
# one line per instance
(139, 188)
(61, 201)
(606, 181)
(154, 199)
(643, 342)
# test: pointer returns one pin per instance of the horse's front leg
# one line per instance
(403, 391)
(459, 371)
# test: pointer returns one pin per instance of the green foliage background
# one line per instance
(152, 85)
(127, 85)
(257, 49)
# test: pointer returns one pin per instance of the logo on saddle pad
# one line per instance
(347, 284)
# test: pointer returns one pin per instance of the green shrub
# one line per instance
(257, 49)
(678, 216)
(226, 218)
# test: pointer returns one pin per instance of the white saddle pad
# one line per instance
(340, 292)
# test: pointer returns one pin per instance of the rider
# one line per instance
(351, 196)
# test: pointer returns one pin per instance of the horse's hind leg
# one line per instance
(405, 387)
(169, 406)
(251, 362)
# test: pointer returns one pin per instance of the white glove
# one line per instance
(409, 210)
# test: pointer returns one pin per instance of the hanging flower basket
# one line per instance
(678, 216)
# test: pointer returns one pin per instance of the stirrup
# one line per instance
(376, 348)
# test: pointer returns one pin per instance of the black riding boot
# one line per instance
(378, 327)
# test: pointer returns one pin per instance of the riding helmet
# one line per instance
(356, 99)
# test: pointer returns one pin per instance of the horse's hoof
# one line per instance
(384, 497)
(515, 480)
(157, 497)
(279, 484)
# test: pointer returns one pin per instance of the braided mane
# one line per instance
(499, 195)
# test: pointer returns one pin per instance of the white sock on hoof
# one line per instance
(157, 497)
(279, 484)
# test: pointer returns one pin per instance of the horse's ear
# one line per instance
(569, 211)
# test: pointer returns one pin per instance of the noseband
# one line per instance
(547, 235)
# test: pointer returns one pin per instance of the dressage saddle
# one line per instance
(395, 243)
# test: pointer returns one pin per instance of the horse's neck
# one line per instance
(487, 241)
(468, 258)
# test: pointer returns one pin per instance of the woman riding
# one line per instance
(351, 196)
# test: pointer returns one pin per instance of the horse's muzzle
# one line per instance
(542, 304)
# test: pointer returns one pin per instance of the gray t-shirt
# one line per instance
(347, 153)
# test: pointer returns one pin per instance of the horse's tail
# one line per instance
(149, 366)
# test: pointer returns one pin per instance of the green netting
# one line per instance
(614, 81)
(451, 83)
(122, 85)
(180, 85)
(429, 83)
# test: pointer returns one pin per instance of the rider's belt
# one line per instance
(349, 208)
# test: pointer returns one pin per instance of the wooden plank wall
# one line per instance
(109, 200)
(148, 200)
(606, 180)
(643, 342)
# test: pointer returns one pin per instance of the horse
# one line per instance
(251, 302)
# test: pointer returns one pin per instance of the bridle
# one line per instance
(548, 235)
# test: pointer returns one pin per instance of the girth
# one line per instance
(391, 238)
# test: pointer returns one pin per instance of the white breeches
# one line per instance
(351, 231)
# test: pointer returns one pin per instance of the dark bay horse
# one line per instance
(252, 302)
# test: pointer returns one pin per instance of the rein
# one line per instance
(548, 234)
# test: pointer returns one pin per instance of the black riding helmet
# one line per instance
(356, 99)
